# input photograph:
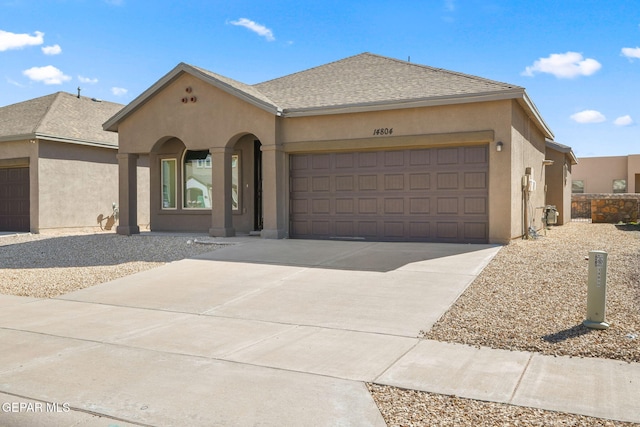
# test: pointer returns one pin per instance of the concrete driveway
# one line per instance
(260, 332)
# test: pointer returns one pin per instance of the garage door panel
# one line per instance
(475, 180)
(447, 156)
(447, 206)
(345, 206)
(394, 206)
(368, 206)
(476, 231)
(400, 195)
(475, 206)
(419, 181)
(420, 157)
(320, 183)
(419, 230)
(345, 183)
(367, 182)
(447, 181)
(419, 205)
(367, 229)
(14, 199)
(476, 155)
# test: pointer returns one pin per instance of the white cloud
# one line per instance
(119, 91)
(623, 121)
(48, 75)
(588, 116)
(564, 65)
(259, 29)
(87, 80)
(631, 52)
(52, 50)
(18, 41)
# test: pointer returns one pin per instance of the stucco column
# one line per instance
(274, 192)
(221, 205)
(128, 194)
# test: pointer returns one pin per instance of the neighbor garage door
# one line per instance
(14, 199)
(428, 195)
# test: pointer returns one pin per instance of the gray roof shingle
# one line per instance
(364, 82)
(61, 116)
(372, 79)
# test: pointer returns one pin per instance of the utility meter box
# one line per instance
(550, 215)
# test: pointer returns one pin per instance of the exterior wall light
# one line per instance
(499, 146)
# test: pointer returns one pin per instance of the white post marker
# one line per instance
(597, 291)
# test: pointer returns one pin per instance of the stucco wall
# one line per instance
(559, 184)
(528, 151)
(213, 120)
(76, 184)
(598, 173)
(460, 124)
(633, 173)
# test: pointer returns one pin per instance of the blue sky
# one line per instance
(578, 60)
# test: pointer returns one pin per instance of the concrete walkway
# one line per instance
(267, 332)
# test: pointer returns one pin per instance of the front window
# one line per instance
(235, 182)
(577, 186)
(619, 185)
(169, 183)
(197, 180)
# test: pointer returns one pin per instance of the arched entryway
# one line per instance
(216, 190)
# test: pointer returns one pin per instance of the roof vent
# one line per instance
(96, 100)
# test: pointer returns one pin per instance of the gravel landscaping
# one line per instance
(48, 265)
(531, 297)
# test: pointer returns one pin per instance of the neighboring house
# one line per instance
(558, 176)
(367, 147)
(58, 167)
(615, 174)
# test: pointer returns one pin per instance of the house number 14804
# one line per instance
(383, 131)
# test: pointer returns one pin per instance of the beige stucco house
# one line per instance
(612, 174)
(58, 167)
(367, 147)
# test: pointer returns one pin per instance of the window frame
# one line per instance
(573, 187)
(164, 161)
(205, 163)
(613, 187)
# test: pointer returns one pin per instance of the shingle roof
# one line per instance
(372, 79)
(364, 82)
(59, 116)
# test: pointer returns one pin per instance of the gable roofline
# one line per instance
(59, 117)
(565, 149)
(533, 113)
(259, 96)
(232, 87)
(43, 136)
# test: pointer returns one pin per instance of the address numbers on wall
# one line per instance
(383, 131)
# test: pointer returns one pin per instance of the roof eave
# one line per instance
(112, 124)
(531, 108)
(20, 137)
(568, 151)
(412, 103)
(76, 141)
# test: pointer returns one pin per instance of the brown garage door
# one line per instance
(14, 199)
(427, 195)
